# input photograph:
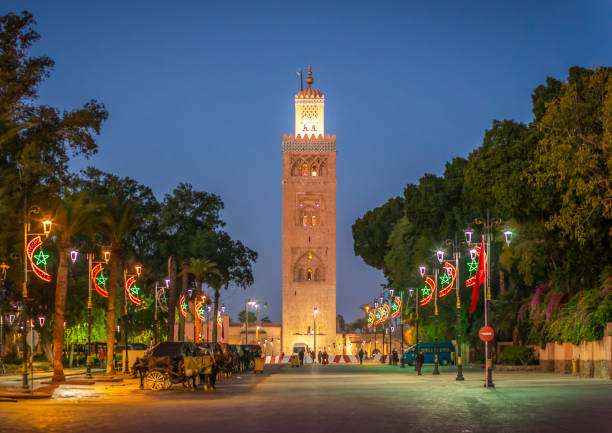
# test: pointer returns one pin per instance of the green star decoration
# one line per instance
(135, 290)
(473, 266)
(41, 258)
(185, 307)
(101, 280)
(426, 291)
(445, 279)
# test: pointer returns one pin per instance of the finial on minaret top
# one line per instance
(309, 79)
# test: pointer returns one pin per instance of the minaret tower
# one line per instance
(309, 227)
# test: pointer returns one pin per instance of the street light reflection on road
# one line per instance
(73, 392)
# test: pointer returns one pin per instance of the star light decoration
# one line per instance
(101, 280)
(135, 290)
(41, 258)
(473, 266)
(425, 291)
(445, 279)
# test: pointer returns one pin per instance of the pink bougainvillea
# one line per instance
(553, 305)
(522, 312)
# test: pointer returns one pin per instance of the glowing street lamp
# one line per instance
(508, 236)
(473, 253)
(315, 311)
(73, 256)
(138, 270)
(41, 321)
(440, 256)
(422, 270)
(167, 281)
(107, 255)
(468, 236)
(47, 227)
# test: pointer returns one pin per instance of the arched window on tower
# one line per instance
(309, 274)
(305, 220)
(309, 256)
(314, 171)
(304, 169)
(300, 275)
(317, 274)
(314, 220)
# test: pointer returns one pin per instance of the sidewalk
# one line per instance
(10, 385)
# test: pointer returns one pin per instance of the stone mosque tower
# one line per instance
(309, 227)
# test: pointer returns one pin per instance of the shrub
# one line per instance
(516, 355)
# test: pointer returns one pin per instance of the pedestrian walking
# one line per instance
(324, 358)
(395, 356)
(360, 356)
(301, 357)
(419, 360)
(319, 355)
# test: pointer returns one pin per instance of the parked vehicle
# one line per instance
(446, 353)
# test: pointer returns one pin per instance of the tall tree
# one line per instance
(72, 216)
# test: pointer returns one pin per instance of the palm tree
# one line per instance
(72, 216)
(119, 219)
(204, 270)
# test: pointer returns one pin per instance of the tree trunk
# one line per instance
(185, 283)
(502, 283)
(61, 290)
(111, 322)
(198, 298)
(171, 296)
(215, 313)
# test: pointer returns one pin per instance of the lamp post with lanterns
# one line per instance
(128, 280)
(315, 311)
(488, 225)
(159, 289)
(457, 256)
(101, 282)
(29, 247)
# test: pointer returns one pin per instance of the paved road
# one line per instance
(342, 398)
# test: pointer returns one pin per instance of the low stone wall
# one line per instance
(594, 357)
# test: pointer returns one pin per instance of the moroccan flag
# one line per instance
(480, 276)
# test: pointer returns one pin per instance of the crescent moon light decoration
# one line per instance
(472, 280)
(99, 280)
(396, 306)
(200, 310)
(184, 306)
(447, 279)
(131, 290)
(371, 319)
(219, 319)
(41, 258)
(427, 292)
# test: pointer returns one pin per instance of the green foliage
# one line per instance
(516, 355)
(550, 183)
(370, 232)
(241, 317)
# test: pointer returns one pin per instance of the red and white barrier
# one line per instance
(333, 359)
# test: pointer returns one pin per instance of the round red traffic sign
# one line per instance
(486, 333)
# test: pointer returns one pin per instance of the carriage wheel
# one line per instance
(156, 380)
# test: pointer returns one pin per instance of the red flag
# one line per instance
(480, 276)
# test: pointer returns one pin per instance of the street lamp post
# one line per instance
(440, 257)
(375, 325)
(138, 268)
(457, 256)
(488, 225)
(314, 314)
(26, 232)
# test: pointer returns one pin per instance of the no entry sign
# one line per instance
(486, 333)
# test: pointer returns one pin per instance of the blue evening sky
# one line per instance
(202, 92)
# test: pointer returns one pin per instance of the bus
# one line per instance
(446, 353)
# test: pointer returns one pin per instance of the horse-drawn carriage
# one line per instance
(169, 363)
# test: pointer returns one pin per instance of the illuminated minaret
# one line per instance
(309, 226)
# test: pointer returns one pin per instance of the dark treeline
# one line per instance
(180, 236)
(549, 181)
